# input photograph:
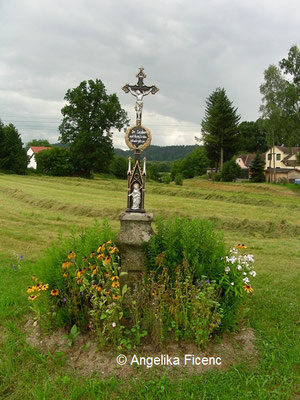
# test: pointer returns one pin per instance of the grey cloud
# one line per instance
(188, 49)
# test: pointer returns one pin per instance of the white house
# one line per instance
(281, 157)
(32, 151)
(281, 164)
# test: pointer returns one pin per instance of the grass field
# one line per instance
(34, 210)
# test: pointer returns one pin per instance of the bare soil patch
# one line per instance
(86, 358)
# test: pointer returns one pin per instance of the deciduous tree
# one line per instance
(88, 119)
(281, 100)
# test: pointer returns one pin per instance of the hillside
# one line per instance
(161, 153)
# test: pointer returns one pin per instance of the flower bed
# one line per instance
(192, 290)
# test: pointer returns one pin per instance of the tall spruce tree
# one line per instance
(220, 128)
(257, 169)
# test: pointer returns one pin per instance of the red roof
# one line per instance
(37, 149)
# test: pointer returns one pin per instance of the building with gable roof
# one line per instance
(32, 151)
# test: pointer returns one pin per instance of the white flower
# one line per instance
(239, 267)
(245, 273)
(232, 283)
(113, 324)
(227, 269)
(253, 273)
(246, 280)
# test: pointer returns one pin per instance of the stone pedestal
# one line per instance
(135, 229)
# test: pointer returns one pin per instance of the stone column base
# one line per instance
(135, 229)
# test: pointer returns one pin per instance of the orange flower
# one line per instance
(98, 288)
(92, 255)
(65, 275)
(54, 292)
(107, 260)
(241, 246)
(84, 259)
(100, 256)
(106, 275)
(115, 284)
(79, 273)
(66, 264)
(94, 271)
(94, 285)
(71, 255)
(115, 297)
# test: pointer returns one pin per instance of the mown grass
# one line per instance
(34, 210)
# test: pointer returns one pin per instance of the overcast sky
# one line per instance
(187, 48)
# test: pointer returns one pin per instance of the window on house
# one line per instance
(270, 156)
(278, 157)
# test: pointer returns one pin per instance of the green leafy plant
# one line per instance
(74, 332)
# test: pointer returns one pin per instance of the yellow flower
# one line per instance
(45, 287)
(94, 271)
(107, 293)
(98, 288)
(34, 278)
(92, 255)
(39, 286)
(241, 246)
(65, 275)
(79, 273)
(71, 255)
(101, 248)
(30, 289)
(248, 288)
(100, 256)
(115, 297)
(33, 297)
(106, 275)
(109, 242)
(54, 292)
(94, 286)
(113, 278)
(115, 284)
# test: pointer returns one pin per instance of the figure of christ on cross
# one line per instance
(139, 91)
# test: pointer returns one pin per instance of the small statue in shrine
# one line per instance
(136, 197)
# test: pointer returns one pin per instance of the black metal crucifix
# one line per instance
(139, 91)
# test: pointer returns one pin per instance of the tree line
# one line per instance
(90, 115)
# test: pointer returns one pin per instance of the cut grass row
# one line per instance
(26, 228)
